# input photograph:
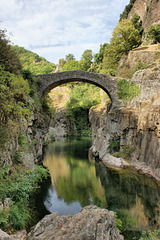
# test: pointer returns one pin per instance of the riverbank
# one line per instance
(121, 164)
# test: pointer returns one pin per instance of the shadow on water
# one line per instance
(76, 181)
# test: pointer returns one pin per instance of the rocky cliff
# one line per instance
(25, 140)
(135, 128)
(148, 10)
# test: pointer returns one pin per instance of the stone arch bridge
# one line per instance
(149, 87)
(52, 80)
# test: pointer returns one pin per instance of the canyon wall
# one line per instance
(136, 128)
(25, 140)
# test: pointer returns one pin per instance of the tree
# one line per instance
(70, 57)
(86, 59)
(8, 57)
(98, 57)
(154, 33)
(125, 37)
(71, 65)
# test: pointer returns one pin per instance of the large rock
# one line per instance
(4, 236)
(89, 223)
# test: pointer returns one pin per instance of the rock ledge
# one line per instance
(89, 223)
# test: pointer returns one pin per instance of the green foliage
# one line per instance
(32, 62)
(137, 23)
(86, 60)
(47, 105)
(98, 57)
(61, 62)
(128, 221)
(20, 187)
(110, 61)
(13, 91)
(18, 157)
(33, 82)
(127, 10)
(71, 65)
(125, 37)
(127, 90)
(4, 215)
(125, 152)
(4, 135)
(22, 139)
(118, 222)
(96, 66)
(114, 145)
(151, 235)
(70, 57)
(84, 96)
(153, 33)
(8, 57)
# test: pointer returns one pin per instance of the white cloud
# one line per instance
(53, 28)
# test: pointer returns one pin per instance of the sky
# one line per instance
(55, 28)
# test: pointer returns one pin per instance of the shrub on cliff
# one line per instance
(13, 91)
(127, 90)
(127, 9)
(19, 187)
(154, 33)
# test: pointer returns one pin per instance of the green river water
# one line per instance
(77, 180)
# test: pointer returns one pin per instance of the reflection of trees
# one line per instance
(74, 178)
(82, 185)
(127, 192)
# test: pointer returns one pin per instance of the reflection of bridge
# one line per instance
(52, 80)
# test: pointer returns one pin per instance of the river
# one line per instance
(76, 180)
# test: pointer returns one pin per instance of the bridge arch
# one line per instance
(49, 81)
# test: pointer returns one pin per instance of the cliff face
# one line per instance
(25, 141)
(148, 10)
(136, 127)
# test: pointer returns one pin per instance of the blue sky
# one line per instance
(52, 29)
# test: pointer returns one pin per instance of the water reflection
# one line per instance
(77, 181)
(135, 197)
(73, 177)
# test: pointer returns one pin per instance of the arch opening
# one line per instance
(50, 81)
(61, 83)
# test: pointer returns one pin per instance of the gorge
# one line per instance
(115, 100)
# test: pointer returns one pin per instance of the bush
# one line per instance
(13, 91)
(154, 33)
(151, 235)
(127, 90)
(125, 153)
(20, 187)
(114, 145)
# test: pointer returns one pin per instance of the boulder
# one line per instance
(89, 223)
